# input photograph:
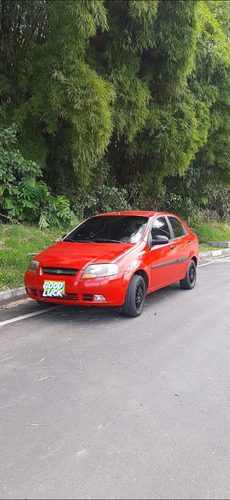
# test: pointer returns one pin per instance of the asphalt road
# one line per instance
(97, 405)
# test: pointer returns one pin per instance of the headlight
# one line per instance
(99, 270)
(33, 267)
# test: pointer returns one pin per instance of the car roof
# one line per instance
(135, 212)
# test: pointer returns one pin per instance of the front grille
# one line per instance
(71, 296)
(59, 271)
(87, 297)
(67, 296)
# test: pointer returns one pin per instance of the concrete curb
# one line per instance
(20, 293)
(15, 293)
(214, 253)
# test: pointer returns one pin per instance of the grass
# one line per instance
(17, 242)
(208, 248)
(212, 231)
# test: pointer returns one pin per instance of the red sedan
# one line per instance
(115, 260)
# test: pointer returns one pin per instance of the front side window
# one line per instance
(160, 228)
(177, 227)
(110, 229)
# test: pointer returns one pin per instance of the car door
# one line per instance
(180, 242)
(161, 258)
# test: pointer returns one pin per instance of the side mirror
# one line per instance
(159, 240)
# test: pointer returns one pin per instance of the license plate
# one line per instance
(53, 288)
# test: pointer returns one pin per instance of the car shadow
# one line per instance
(91, 314)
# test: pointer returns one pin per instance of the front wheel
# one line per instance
(135, 297)
(190, 279)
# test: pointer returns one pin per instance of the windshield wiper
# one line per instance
(106, 240)
(81, 240)
(93, 240)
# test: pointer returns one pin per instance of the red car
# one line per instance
(115, 259)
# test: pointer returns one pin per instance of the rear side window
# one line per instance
(160, 227)
(177, 227)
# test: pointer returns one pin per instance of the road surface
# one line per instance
(98, 405)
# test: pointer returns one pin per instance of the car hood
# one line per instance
(78, 255)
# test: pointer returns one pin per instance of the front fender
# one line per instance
(132, 269)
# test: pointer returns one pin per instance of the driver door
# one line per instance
(161, 257)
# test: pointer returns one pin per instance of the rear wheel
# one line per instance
(190, 279)
(135, 297)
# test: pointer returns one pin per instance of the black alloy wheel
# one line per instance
(135, 297)
(190, 279)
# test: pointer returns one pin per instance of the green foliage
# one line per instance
(104, 199)
(18, 245)
(131, 107)
(161, 126)
(184, 207)
(141, 85)
(177, 31)
(20, 193)
(210, 83)
(47, 88)
(80, 100)
(140, 33)
(177, 132)
(212, 231)
(56, 212)
(220, 202)
(22, 196)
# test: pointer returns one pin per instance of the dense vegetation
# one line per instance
(113, 104)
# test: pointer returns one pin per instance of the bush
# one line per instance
(22, 195)
(184, 207)
(56, 212)
(220, 202)
(103, 199)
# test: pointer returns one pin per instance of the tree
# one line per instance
(181, 74)
(60, 105)
(209, 172)
(140, 87)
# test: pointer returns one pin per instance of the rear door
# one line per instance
(180, 241)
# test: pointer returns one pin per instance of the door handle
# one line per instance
(172, 247)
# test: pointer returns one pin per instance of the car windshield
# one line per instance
(110, 229)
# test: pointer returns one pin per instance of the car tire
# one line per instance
(135, 297)
(190, 279)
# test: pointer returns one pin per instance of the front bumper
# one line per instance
(80, 291)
